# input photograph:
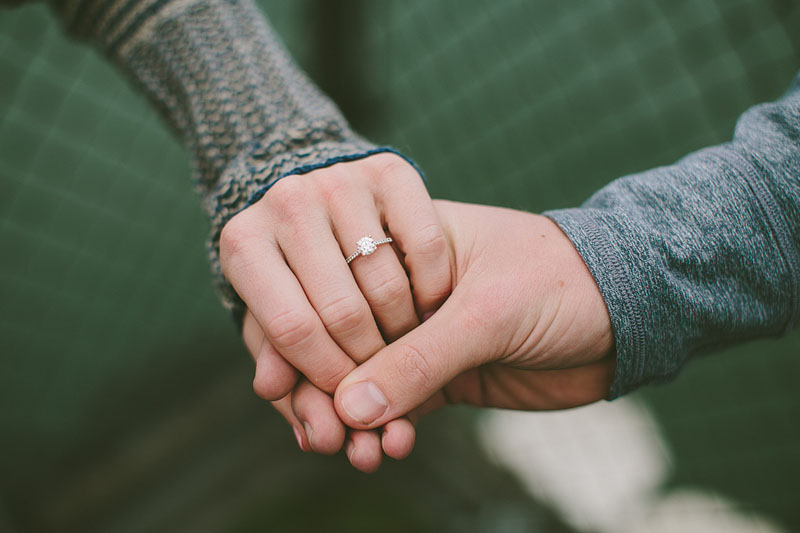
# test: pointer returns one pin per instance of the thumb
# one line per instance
(404, 374)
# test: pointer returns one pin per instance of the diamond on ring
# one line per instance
(366, 246)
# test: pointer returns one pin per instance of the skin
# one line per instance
(524, 328)
(311, 317)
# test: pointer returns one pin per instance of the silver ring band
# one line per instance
(367, 245)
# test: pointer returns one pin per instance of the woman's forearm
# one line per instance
(222, 79)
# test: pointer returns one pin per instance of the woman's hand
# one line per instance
(525, 328)
(311, 314)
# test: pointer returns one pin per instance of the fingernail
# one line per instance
(309, 433)
(299, 437)
(350, 449)
(364, 402)
(427, 315)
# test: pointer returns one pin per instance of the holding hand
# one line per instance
(308, 310)
(525, 328)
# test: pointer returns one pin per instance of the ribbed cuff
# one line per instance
(592, 236)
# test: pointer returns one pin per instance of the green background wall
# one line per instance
(125, 398)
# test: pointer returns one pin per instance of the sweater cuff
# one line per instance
(593, 235)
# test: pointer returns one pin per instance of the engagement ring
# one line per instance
(366, 246)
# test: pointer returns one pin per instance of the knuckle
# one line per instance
(289, 197)
(289, 329)
(337, 184)
(328, 378)
(437, 289)
(269, 390)
(334, 187)
(415, 369)
(388, 290)
(430, 241)
(343, 315)
(391, 166)
(233, 239)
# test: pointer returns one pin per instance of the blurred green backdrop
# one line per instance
(125, 400)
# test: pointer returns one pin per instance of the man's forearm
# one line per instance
(701, 254)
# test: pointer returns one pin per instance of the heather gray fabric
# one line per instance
(701, 254)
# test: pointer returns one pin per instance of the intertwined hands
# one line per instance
(523, 326)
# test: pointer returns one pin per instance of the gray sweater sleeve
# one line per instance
(225, 83)
(701, 254)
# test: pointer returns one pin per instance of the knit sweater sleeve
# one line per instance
(701, 254)
(224, 82)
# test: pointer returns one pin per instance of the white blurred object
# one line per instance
(696, 511)
(601, 466)
(595, 464)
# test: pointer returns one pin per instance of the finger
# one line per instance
(284, 407)
(409, 371)
(398, 437)
(380, 276)
(363, 450)
(331, 289)
(274, 377)
(252, 334)
(259, 273)
(314, 409)
(412, 221)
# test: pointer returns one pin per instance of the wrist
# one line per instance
(577, 319)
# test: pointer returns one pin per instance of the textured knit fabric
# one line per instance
(702, 254)
(225, 83)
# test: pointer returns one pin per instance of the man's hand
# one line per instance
(308, 311)
(525, 328)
